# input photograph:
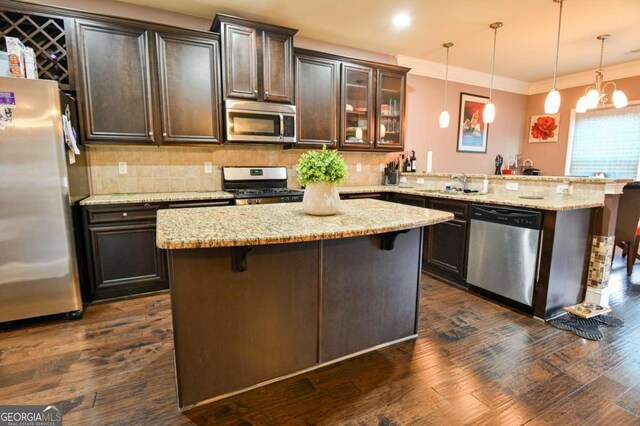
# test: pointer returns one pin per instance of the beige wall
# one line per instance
(551, 157)
(425, 99)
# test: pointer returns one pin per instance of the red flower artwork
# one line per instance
(544, 128)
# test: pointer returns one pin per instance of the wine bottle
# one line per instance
(414, 162)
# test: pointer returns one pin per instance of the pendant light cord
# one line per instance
(446, 80)
(555, 69)
(493, 61)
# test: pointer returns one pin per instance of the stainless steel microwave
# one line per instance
(249, 121)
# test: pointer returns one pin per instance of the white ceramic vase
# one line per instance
(321, 199)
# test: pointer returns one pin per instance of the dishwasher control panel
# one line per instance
(507, 216)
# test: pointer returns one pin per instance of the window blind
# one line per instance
(607, 140)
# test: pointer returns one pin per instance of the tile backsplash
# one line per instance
(175, 169)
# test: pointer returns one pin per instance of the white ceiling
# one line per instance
(526, 43)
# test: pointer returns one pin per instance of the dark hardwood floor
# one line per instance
(474, 363)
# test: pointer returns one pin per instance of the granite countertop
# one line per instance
(554, 203)
(154, 197)
(542, 178)
(285, 223)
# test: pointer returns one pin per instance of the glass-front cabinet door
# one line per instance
(357, 114)
(390, 110)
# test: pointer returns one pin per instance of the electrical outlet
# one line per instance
(420, 181)
(564, 188)
(208, 167)
(403, 179)
(122, 168)
(358, 167)
(382, 166)
(512, 186)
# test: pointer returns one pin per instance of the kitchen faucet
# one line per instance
(462, 177)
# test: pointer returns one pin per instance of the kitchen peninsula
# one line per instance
(263, 292)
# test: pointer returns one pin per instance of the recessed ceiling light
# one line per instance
(401, 20)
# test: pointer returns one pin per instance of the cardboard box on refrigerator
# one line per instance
(30, 65)
(15, 49)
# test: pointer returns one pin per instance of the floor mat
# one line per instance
(587, 328)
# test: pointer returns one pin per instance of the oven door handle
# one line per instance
(281, 126)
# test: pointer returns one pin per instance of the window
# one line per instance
(605, 140)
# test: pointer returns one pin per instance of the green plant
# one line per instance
(321, 166)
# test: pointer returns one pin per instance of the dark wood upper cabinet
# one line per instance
(189, 89)
(317, 98)
(115, 83)
(277, 67)
(390, 110)
(357, 107)
(371, 99)
(240, 62)
(257, 59)
(154, 85)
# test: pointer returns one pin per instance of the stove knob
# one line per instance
(286, 199)
(249, 201)
(258, 201)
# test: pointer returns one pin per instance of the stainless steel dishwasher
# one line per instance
(503, 251)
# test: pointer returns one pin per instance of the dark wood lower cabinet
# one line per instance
(446, 248)
(125, 260)
(445, 244)
(120, 242)
(411, 200)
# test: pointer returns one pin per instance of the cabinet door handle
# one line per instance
(150, 133)
(266, 93)
(370, 142)
(124, 214)
(164, 134)
(255, 92)
(335, 141)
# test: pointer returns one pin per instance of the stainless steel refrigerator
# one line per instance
(38, 270)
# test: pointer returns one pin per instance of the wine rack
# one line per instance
(46, 35)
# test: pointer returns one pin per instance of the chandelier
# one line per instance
(595, 95)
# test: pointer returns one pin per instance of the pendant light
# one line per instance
(444, 115)
(595, 94)
(489, 113)
(552, 103)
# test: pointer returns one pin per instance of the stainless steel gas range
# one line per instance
(259, 185)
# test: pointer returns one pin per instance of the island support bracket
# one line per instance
(239, 258)
(388, 240)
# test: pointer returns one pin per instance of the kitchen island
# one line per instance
(260, 293)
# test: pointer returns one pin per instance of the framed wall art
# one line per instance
(472, 131)
(544, 128)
